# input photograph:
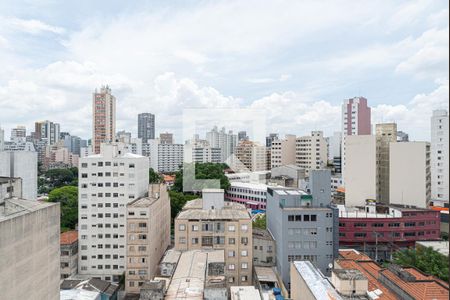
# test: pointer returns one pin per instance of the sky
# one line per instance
(295, 60)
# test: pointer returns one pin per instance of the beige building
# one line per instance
(29, 249)
(283, 152)
(148, 236)
(361, 169)
(69, 253)
(104, 118)
(263, 248)
(311, 151)
(212, 223)
(410, 177)
(385, 134)
(251, 155)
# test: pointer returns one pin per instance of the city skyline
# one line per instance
(400, 63)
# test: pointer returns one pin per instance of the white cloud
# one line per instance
(33, 26)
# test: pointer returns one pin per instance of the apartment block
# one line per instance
(148, 236)
(252, 157)
(107, 182)
(211, 223)
(334, 145)
(202, 153)
(282, 152)
(263, 248)
(311, 152)
(385, 134)
(29, 249)
(361, 170)
(439, 157)
(103, 118)
(47, 131)
(270, 138)
(226, 141)
(69, 253)
(303, 226)
(19, 133)
(166, 138)
(410, 174)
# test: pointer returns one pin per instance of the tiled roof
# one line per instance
(68, 237)
(423, 288)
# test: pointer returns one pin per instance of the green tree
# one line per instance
(260, 222)
(154, 177)
(61, 177)
(177, 201)
(203, 171)
(425, 259)
(67, 196)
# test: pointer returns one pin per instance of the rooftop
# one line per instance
(15, 207)
(68, 237)
(265, 274)
(92, 284)
(347, 274)
(231, 211)
(439, 246)
(262, 234)
(244, 293)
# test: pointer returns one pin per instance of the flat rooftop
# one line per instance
(15, 207)
(439, 246)
(244, 293)
(263, 234)
(266, 274)
(231, 211)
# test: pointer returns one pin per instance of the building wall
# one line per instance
(104, 118)
(236, 254)
(263, 252)
(283, 152)
(385, 134)
(311, 152)
(21, 164)
(439, 156)
(69, 259)
(102, 204)
(410, 180)
(29, 255)
(299, 289)
(146, 126)
(361, 181)
(149, 217)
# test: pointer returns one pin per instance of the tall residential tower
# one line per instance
(439, 156)
(146, 127)
(104, 118)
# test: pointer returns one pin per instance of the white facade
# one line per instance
(311, 152)
(439, 156)
(21, 164)
(410, 178)
(223, 140)
(202, 154)
(334, 145)
(107, 183)
(170, 157)
(282, 152)
(361, 173)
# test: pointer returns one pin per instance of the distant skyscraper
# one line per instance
(242, 136)
(166, 138)
(146, 127)
(270, 138)
(104, 118)
(356, 120)
(47, 131)
(18, 133)
(439, 156)
(225, 141)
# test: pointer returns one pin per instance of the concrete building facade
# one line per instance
(439, 157)
(282, 152)
(47, 131)
(69, 253)
(107, 182)
(251, 156)
(385, 134)
(304, 227)
(210, 223)
(166, 138)
(410, 174)
(311, 152)
(29, 249)
(148, 236)
(226, 141)
(103, 118)
(263, 248)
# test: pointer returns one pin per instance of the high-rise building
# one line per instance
(356, 120)
(73, 143)
(270, 138)
(410, 174)
(148, 236)
(19, 133)
(2, 139)
(29, 248)
(282, 152)
(439, 157)
(212, 223)
(223, 140)
(107, 182)
(252, 157)
(47, 131)
(305, 227)
(242, 136)
(104, 118)
(361, 184)
(164, 157)
(402, 136)
(311, 152)
(166, 138)
(385, 134)
(146, 127)
(334, 146)
(202, 154)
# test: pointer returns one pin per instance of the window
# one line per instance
(244, 240)
(194, 227)
(291, 218)
(360, 234)
(244, 227)
(231, 267)
(313, 218)
(231, 228)
(244, 253)
(182, 227)
(194, 241)
(231, 241)
(244, 265)
(231, 253)
(306, 218)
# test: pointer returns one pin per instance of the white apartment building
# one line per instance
(439, 157)
(311, 152)
(223, 140)
(282, 152)
(164, 157)
(410, 174)
(334, 145)
(107, 182)
(361, 173)
(202, 153)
